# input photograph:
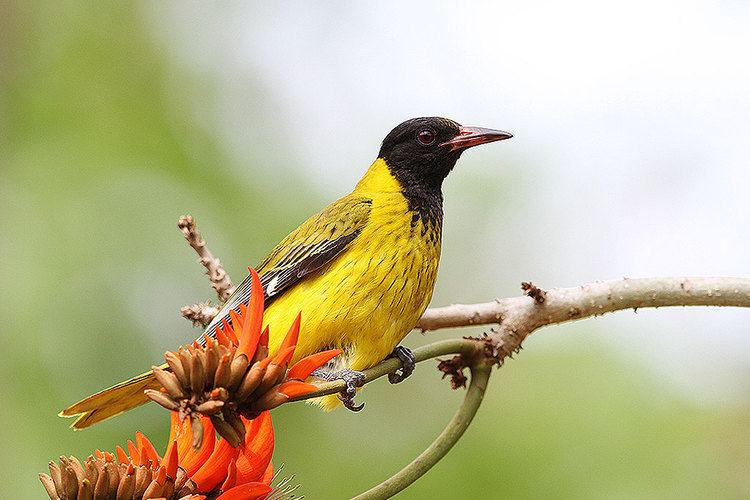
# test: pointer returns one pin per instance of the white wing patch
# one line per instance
(272, 286)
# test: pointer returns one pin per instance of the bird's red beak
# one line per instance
(474, 136)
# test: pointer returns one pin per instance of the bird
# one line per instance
(361, 271)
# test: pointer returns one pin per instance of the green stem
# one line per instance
(469, 348)
(480, 374)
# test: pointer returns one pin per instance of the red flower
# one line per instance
(224, 387)
(215, 469)
(233, 375)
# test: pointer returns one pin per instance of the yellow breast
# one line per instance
(369, 297)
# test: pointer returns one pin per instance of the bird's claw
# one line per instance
(352, 378)
(408, 361)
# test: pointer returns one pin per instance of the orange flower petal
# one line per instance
(184, 437)
(237, 321)
(264, 337)
(243, 316)
(305, 366)
(295, 388)
(194, 460)
(247, 491)
(122, 457)
(147, 449)
(292, 335)
(161, 476)
(284, 355)
(268, 475)
(169, 463)
(214, 470)
(251, 329)
(135, 455)
(231, 480)
(189, 459)
(222, 337)
(230, 332)
(256, 452)
(174, 425)
(265, 362)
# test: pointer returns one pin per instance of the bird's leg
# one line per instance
(353, 379)
(408, 361)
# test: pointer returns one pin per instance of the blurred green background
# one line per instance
(109, 133)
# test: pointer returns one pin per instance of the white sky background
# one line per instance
(630, 156)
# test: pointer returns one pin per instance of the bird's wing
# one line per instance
(306, 249)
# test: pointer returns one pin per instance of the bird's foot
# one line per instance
(352, 378)
(406, 356)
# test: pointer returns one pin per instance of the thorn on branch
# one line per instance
(499, 345)
(534, 292)
(574, 312)
(219, 278)
(200, 314)
(454, 368)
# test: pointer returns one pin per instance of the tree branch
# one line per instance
(480, 375)
(219, 278)
(204, 312)
(518, 317)
(593, 299)
(200, 314)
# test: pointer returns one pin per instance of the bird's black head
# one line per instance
(421, 152)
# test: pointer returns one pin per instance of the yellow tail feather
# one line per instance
(326, 403)
(111, 402)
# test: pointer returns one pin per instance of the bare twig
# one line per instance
(534, 292)
(200, 314)
(219, 278)
(204, 312)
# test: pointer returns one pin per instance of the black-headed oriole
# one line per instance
(361, 271)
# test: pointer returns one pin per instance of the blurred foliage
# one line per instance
(100, 157)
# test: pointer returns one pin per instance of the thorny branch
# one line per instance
(200, 314)
(518, 317)
(204, 312)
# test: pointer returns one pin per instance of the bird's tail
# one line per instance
(110, 402)
(129, 394)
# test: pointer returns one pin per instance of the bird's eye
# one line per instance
(426, 137)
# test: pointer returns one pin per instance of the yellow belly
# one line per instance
(368, 298)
